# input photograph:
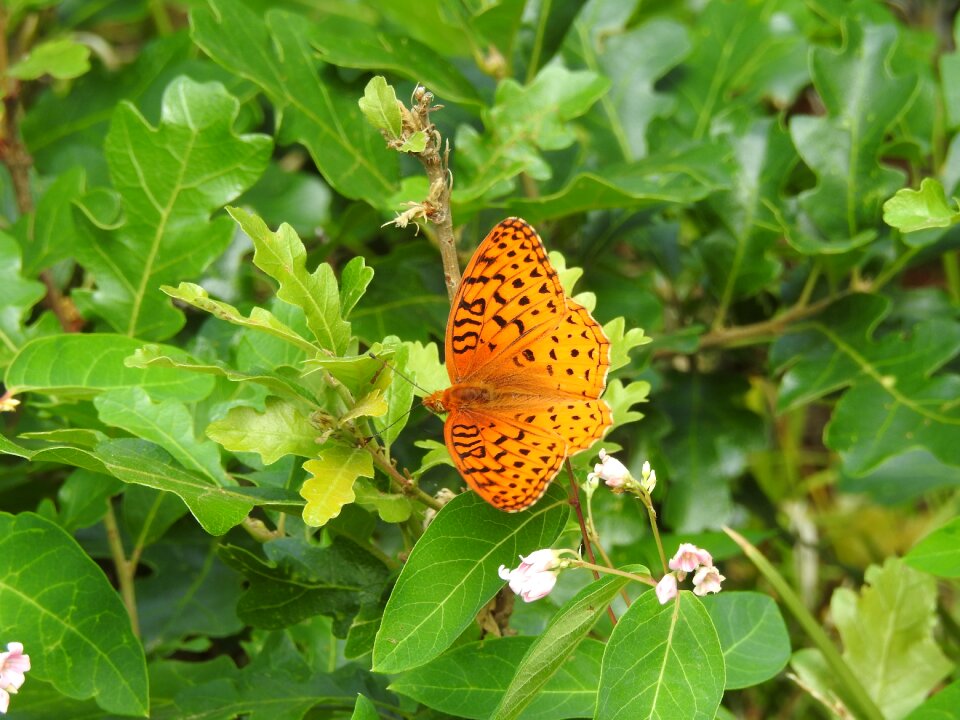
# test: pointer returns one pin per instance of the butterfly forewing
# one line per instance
(509, 292)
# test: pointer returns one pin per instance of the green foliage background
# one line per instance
(194, 262)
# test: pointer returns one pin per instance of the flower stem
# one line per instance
(124, 568)
(646, 580)
(861, 703)
(652, 514)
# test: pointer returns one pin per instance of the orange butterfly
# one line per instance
(527, 365)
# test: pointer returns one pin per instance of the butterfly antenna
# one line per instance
(401, 374)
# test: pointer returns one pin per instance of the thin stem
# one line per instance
(862, 704)
(584, 533)
(613, 571)
(893, 270)
(756, 332)
(405, 485)
(161, 20)
(809, 285)
(652, 514)
(951, 268)
(538, 41)
(125, 570)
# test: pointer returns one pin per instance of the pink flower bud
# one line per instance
(536, 575)
(707, 580)
(689, 557)
(611, 471)
(667, 588)
(13, 665)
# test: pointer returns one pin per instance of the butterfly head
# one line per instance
(435, 402)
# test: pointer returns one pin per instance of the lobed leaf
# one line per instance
(330, 483)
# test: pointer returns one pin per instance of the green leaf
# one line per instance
(709, 444)
(299, 581)
(662, 661)
(635, 59)
(621, 399)
(863, 99)
(62, 59)
(350, 42)
(895, 402)
(282, 256)
(216, 508)
(168, 424)
(50, 233)
(679, 175)
(552, 648)
(738, 255)
(451, 574)
(469, 680)
(170, 179)
(330, 485)
(752, 634)
(391, 507)
(892, 618)
(522, 122)
(83, 498)
(942, 706)
(63, 608)
(184, 567)
(152, 357)
(939, 552)
(259, 319)
(354, 279)
(17, 296)
(622, 342)
(415, 143)
(364, 709)
(316, 110)
(912, 210)
(84, 365)
(380, 106)
(282, 429)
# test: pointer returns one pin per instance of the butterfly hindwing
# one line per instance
(508, 463)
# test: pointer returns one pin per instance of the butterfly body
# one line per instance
(527, 365)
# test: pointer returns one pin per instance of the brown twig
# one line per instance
(14, 155)
(435, 159)
(578, 510)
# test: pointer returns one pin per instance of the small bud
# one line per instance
(611, 471)
(667, 588)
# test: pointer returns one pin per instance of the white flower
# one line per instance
(610, 470)
(535, 576)
(707, 580)
(688, 558)
(667, 588)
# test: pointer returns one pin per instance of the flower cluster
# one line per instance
(536, 575)
(690, 559)
(13, 665)
(616, 476)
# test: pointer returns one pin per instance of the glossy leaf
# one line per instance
(62, 59)
(452, 573)
(752, 634)
(17, 296)
(63, 608)
(469, 680)
(662, 660)
(84, 365)
(315, 110)
(912, 210)
(551, 650)
(170, 179)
